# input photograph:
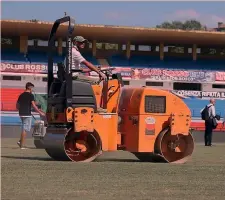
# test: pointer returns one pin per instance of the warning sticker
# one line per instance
(150, 120)
(150, 126)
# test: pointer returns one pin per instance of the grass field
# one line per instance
(31, 174)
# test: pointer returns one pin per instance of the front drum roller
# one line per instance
(83, 146)
(170, 148)
(77, 147)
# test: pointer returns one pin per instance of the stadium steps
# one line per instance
(9, 98)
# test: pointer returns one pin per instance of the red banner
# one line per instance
(220, 76)
(126, 72)
(152, 74)
(173, 75)
(25, 68)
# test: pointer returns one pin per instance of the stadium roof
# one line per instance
(114, 34)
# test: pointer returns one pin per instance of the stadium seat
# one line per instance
(12, 56)
(141, 61)
(39, 57)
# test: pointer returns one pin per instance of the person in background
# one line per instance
(209, 122)
(224, 120)
(24, 103)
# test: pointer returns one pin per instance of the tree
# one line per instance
(165, 25)
(34, 20)
(193, 25)
(177, 25)
(187, 25)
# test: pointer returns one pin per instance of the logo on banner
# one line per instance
(220, 76)
(25, 68)
(173, 75)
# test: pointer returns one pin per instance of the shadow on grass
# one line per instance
(28, 158)
(115, 160)
(128, 160)
(98, 160)
(18, 148)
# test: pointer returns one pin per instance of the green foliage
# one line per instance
(34, 20)
(187, 25)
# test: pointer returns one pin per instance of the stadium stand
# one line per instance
(118, 58)
(140, 61)
(38, 57)
(168, 62)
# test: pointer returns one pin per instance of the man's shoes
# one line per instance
(19, 144)
(23, 148)
(209, 145)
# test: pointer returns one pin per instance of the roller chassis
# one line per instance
(75, 128)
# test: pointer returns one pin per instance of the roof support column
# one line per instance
(59, 48)
(194, 52)
(128, 50)
(94, 48)
(23, 44)
(161, 50)
(136, 47)
(120, 48)
(186, 50)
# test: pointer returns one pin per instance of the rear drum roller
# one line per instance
(174, 148)
(83, 146)
(169, 148)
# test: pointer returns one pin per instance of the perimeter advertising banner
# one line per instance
(220, 76)
(126, 72)
(199, 94)
(25, 68)
(152, 74)
(174, 75)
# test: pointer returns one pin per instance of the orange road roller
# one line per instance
(84, 120)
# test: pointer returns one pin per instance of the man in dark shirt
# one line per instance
(24, 103)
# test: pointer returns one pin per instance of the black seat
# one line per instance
(61, 73)
(55, 88)
(82, 96)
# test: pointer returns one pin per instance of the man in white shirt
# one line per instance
(77, 59)
(209, 123)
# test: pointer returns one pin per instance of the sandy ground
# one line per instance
(32, 174)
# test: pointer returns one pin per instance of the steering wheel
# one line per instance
(106, 71)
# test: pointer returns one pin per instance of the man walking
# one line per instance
(211, 113)
(24, 103)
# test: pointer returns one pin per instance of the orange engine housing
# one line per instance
(145, 112)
